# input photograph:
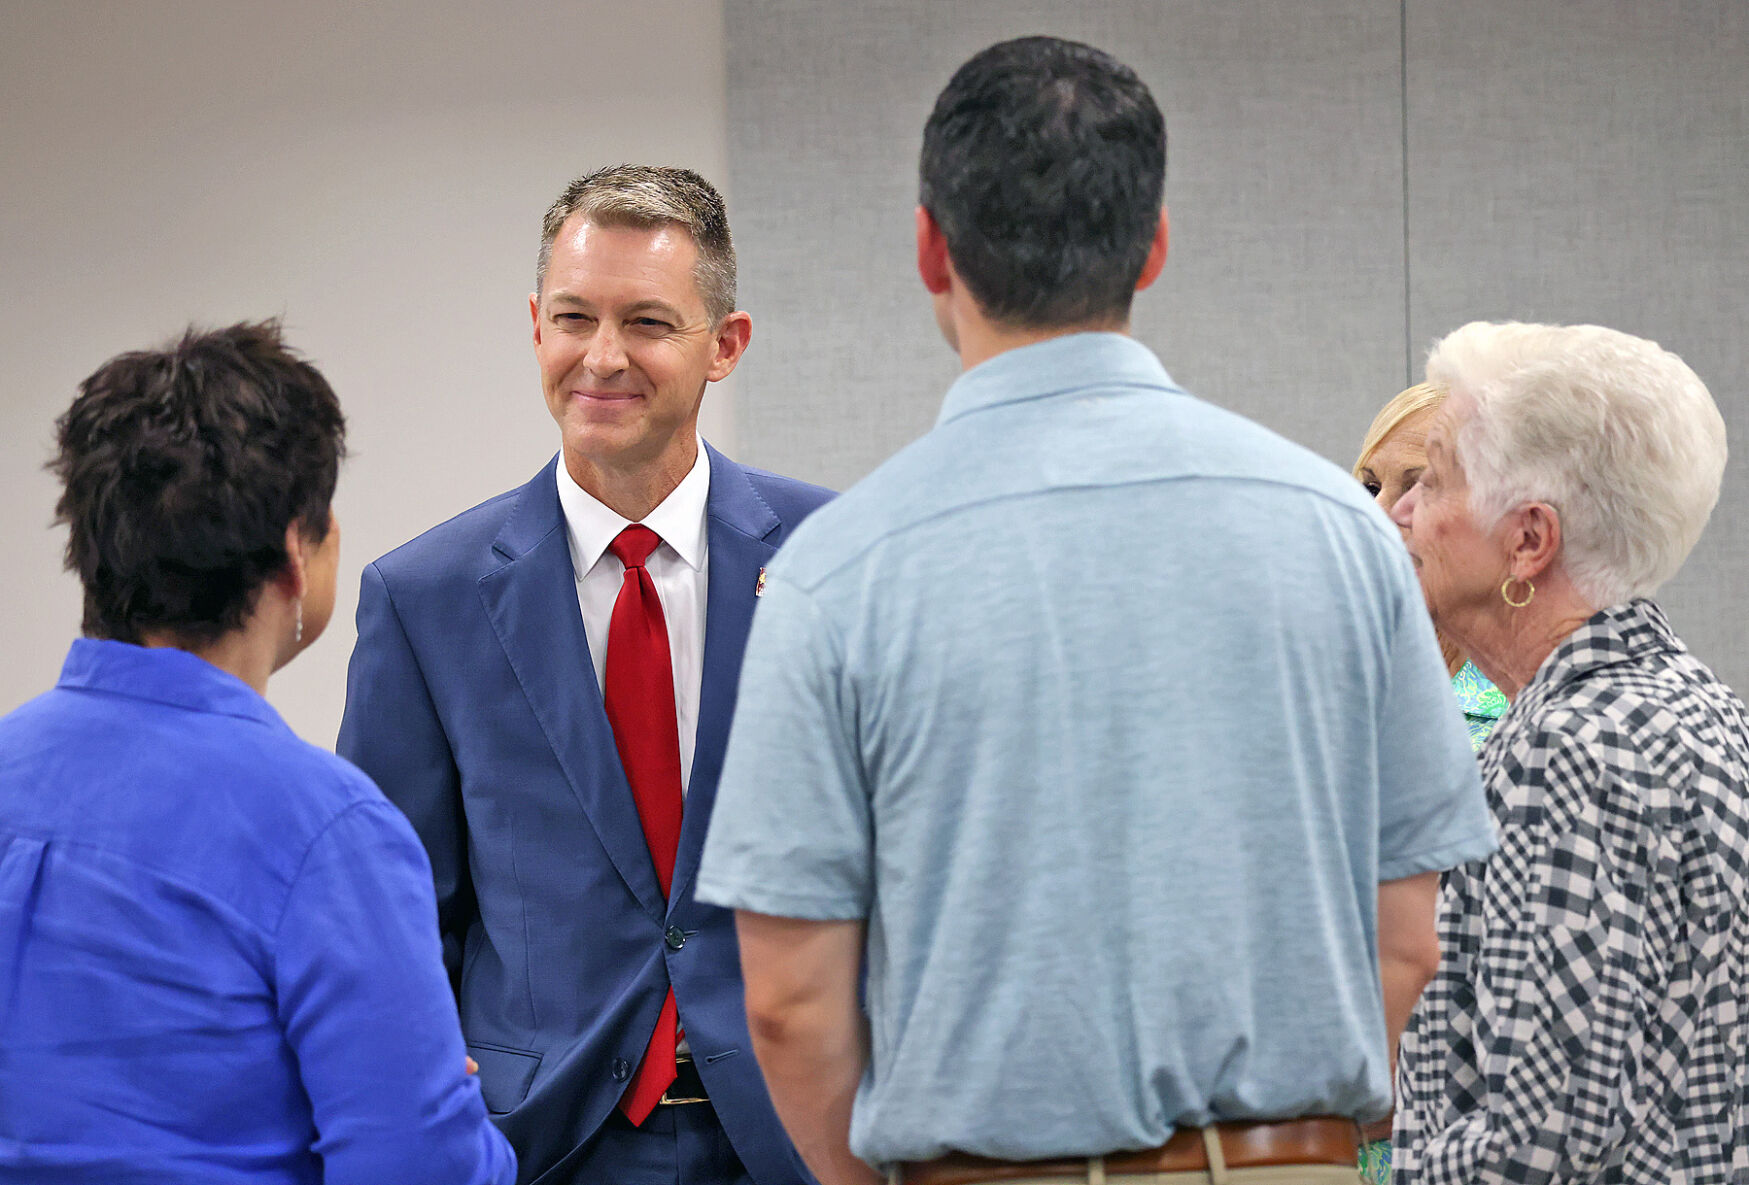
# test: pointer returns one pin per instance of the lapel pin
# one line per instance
(759, 588)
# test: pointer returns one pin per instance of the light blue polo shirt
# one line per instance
(1107, 710)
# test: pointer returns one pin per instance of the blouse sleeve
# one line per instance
(368, 1014)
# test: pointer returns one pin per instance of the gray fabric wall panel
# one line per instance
(1348, 179)
(1283, 294)
(1596, 168)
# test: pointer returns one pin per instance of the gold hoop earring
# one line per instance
(1529, 592)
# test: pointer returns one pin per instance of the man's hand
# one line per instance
(808, 1033)
(473, 1067)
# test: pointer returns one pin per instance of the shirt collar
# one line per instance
(679, 520)
(1052, 367)
(1610, 636)
(164, 675)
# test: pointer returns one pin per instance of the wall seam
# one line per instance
(1403, 98)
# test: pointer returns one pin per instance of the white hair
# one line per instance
(1613, 431)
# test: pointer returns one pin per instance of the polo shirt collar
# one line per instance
(1052, 367)
(679, 520)
(165, 675)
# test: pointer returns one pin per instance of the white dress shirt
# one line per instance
(680, 567)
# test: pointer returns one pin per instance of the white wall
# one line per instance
(374, 174)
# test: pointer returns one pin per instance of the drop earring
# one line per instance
(299, 639)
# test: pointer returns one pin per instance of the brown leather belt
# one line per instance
(1316, 1140)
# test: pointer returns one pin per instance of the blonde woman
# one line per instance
(1392, 457)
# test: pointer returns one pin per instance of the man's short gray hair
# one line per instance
(1613, 431)
(649, 196)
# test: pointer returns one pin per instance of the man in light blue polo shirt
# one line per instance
(1107, 726)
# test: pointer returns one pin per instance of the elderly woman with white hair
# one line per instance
(1587, 1020)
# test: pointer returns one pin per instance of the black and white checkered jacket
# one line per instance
(1587, 1021)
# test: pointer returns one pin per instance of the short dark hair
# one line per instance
(647, 196)
(181, 469)
(1044, 163)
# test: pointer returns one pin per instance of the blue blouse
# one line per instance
(218, 948)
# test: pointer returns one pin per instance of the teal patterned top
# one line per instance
(1482, 702)
(1483, 705)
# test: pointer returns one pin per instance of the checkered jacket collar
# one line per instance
(1621, 633)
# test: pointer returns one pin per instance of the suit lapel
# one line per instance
(531, 602)
(738, 523)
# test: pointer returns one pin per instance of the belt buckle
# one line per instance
(670, 1100)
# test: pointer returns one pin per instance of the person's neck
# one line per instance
(252, 652)
(1510, 645)
(633, 492)
(980, 339)
(1452, 653)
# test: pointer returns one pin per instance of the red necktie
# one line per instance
(640, 708)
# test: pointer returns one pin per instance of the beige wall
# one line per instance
(375, 175)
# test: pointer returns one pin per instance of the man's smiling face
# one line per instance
(625, 347)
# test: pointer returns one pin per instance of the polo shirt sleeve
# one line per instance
(367, 1012)
(791, 833)
(1433, 813)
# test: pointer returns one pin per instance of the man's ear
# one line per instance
(534, 314)
(1533, 540)
(732, 338)
(932, 259)
(1156, 253)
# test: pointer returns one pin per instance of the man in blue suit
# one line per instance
(544, 685)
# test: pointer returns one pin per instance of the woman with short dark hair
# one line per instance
(218, 958)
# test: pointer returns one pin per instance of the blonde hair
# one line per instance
(1419, 398)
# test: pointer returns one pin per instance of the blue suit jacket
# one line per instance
(472, 703)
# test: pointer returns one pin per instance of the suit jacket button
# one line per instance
(675, 938)
(622, 1069)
